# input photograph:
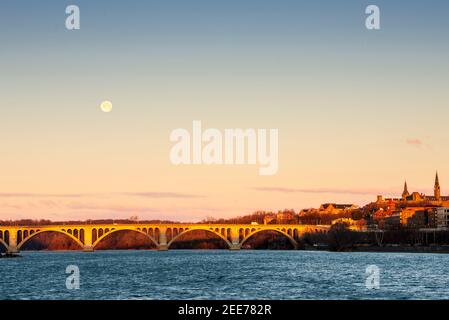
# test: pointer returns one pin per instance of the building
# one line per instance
(415, 217)
(442, 217)
(411, 217)
(392, 221)
(416, 198)
(334, 208)
(285, 216)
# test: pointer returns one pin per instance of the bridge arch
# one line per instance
(32, 235)
(282, 232)
(228, 243)
(112, 231)
(4, 244)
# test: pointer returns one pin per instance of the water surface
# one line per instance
(222, 274)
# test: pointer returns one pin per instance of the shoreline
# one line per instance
(404, 249)
(9, 255)
(388, 249)
(384, 249)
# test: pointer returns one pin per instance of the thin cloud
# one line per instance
(319, 190)
(414, 142)
(161, 195)
(112, 207)
(11, 206)
(40, 195)
(154, 195)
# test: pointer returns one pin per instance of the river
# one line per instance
(222, 274)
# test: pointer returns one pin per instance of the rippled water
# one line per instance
(221, 274)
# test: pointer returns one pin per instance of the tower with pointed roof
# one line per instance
(405, 193)
(436, 188)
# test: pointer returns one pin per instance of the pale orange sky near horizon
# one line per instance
(358, 112)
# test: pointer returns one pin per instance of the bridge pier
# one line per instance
(12, 249)
(88, 248)
(88, 245)
(163, 246)
(12, 246)
(235, 239)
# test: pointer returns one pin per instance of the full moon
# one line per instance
(106, 106)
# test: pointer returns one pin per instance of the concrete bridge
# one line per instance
(88, 236)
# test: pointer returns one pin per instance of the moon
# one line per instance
(106, 106)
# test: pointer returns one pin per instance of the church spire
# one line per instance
(405, 193)
(436, 188)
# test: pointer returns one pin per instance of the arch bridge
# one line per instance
(13, 238)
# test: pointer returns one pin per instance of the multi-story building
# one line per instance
(393, 221)
(412, 217)
(442, 217)
(335, 208)
(415, 218)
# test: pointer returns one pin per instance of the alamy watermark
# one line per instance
(372, 277)
(372, 22)
(72, 282)
(230, 147)
(72, 22)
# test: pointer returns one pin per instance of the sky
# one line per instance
(358, 111)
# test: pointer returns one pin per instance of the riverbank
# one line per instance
(9, 255)
(405, 249)
(387, 248)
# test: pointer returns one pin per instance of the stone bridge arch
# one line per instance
(114, 230)
(30, 236)
(255, 231)
(211, 230)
